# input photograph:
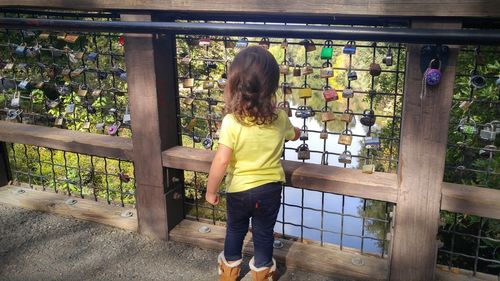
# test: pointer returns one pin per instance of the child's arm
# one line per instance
(217, 172)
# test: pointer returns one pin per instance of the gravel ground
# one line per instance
(41, 246)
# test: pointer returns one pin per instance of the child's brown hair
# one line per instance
(251, 88)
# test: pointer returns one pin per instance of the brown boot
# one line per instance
(228, 272)
(263, 273)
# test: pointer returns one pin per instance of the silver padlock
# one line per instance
(207, 142)
(70, 108)
(387, 60)
(126, 116)
(345, 157)
(13, 115)
(16, 100)
(324, 158)
(304, 135)
(303, 152)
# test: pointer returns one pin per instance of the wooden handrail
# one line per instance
(471, 200)
(67, 140)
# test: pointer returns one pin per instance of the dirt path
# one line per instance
(39, 246)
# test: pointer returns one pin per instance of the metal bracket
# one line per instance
(430, 52)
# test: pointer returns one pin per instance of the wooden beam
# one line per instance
(424, 133)
(443, 273)
(85, 209)
(67, 140)
(327, 260)
(471, 200)
(5, 174)
(378, 8)
(351, 182)
(152, 90)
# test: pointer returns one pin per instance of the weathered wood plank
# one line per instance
(377, 186)
(67, 140)
(84, 209)
(324, 260)
(471, 200)
(379, 8)
(457, 274)
(4, 165)
(424, 133)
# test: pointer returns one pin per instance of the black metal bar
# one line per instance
(401, 35)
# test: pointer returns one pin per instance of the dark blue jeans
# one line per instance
(262, 204)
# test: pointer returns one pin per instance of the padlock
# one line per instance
(487, 151)
(375, 69)
(323, 134)
(326, 70)
(432, 74)
(296, 71)
(286, 88)
(304, 111)
(284, 68)
(264, 43)
(99, 126)
(207, 142)
(345, 157)
(123, 76)
(349, 48)
(21, 50)
(372, 143)
(345, 137)
(13, 115)
(464, 105)
(126, 116)
(212, 101)
(86, 125)
(188, 82)
(329, 93)
(59, 121)
(71, 38)
(66, 72)
(52, 103)
(352, 75)
(368, 168)
(303, 152)
(16, 100)
(221, 83)
(347, 116)
(327, 50)
(72, 58)
(204, 42)
(324, 158)
(92, 56)
(307, 69)
(308, 45)
(24, 84)
(488, 133)
(327, 115)
(9, 66)
(242, 43)
(113, 128)
(33, 51)
(77, 72)
(96, 92)
(305, 92)
(211, 64)
(286, 107)
(44, 36)
(121, 40)
(123, 177)
(467, 127)
(70, 108)
(40, 85)
(188, 100)
(82, 91)
(21, 66)
(304, 135)
(388, 59)
(284, 44)
(368, 118)
(228, 43)
(208, 83)
(61, 36)
(186, 59)
(348, 93)
(476, 80)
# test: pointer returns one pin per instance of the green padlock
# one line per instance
(327, 50)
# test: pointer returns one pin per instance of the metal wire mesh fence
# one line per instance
(75, 81)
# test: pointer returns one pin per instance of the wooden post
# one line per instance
(5, 175)
(424, 134)
(152, 87)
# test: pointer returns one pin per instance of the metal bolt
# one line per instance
(19, 191)
(204, 229)
(357, 261)
(277, 244)
(71, 201)
(127, 214)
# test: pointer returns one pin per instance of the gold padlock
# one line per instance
(327, 115)
(188, 82)
(326, 70)
(347, 116)
(188, 100)
(368, 168)
(96, 92)
(82, 92)
(345, 137)
(307, 69)
(305, 92)
(324, 134)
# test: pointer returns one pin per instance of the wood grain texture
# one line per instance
(4, 165)
(67, 140)
(424, 133)
(471, 200)
(377, 186)
(324, 260)
(84, 209)
(444, 274)
(379, 8)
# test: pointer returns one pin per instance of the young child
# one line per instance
(250, 147)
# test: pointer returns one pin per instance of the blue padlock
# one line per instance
(24, 84)
(20, 50)
(123, 76)
(92, 56)
(350, 48)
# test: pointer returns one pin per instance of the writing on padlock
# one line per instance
(349, 48)
(372, 142)
(467, 127)
(188, 82)
(59, 121)
(303, 152)
(345, 137)
(326, 70)
(304, 111)
(432, 74)
(329, 94)
(345, 157)
(324, 158)
(327, 50)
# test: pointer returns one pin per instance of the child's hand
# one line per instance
(212, 198)
(297, 134)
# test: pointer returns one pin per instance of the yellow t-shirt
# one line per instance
(257, 151)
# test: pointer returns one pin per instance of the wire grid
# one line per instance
(349, 222)
(75, 81)
(470, 242)
(73, 174)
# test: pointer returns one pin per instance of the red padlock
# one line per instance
(330, 94)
